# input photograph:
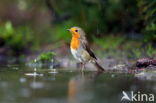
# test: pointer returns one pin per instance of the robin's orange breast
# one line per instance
(75, 43)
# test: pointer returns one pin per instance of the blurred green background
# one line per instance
(27, 25)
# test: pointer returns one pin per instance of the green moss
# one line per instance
(43, 60)
(46, 56)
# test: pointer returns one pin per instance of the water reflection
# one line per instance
(78, 91)
(68, 86)
(36, 85)
(34, 73)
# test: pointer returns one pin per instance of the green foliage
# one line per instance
(16, 38)
(130, 44)
(60, 32)
(136, 53)
(147, 12)
(110, 42)
(150, 50)
(46, 56)
(150, 32)
(101, 16)
(139, 52)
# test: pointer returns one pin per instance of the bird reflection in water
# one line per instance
(79, 87)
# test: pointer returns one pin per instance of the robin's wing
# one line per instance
(85, 46)
(91, 52)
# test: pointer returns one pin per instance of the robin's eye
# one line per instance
(76, 30)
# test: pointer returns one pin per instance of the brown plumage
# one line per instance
(80, 49)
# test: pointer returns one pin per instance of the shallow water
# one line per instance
(28, 85)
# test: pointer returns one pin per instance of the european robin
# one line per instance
(80, 49)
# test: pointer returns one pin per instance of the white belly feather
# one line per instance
(81, 56)
(75, 54)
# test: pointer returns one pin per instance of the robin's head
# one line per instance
(77, 32)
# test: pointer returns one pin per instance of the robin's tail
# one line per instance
(99, 67)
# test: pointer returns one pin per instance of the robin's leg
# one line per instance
(82, 67)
